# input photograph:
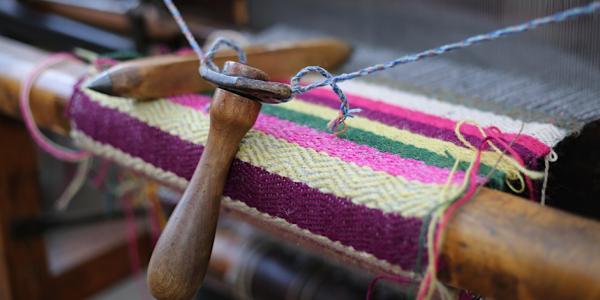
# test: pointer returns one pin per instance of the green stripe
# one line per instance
(381, 143)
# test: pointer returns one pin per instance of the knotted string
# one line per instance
(345, 111)
(332, 81)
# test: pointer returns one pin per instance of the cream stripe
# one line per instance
(546, 133)
(434, 145)
(362, 185)
(171, 179)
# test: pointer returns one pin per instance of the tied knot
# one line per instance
(338, 124)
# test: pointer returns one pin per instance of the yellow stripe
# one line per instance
(437, 146)
(361, 185)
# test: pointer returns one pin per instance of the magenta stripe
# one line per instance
(386, 236)
(361, 155)
(415, 121)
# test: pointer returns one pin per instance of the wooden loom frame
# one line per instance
(497, 245)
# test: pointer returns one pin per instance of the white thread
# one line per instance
(550, 157)
(75, 185)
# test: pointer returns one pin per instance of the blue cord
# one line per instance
(184, 28)
(218, 44)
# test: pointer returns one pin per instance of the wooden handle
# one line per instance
(180, 258)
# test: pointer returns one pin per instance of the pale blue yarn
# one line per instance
(218, 44)
(331, 80)
(184, 28)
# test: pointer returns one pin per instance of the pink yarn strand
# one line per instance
(44, 143)
(494, 135)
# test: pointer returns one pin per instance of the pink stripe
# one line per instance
(527, 141)
(361, 155)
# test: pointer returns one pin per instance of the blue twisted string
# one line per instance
(218, 44)
(184, 28)
(345, 111)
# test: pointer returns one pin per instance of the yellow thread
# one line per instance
(521, 187)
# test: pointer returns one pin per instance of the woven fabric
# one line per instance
(363, 194)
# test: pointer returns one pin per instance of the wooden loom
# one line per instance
(493, 226)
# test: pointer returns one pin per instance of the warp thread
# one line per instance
(345, 110)
(551, 157)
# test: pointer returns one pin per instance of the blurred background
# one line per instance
(98, 247)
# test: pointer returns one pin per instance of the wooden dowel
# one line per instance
(167, 75)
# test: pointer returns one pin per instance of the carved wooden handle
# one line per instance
(180, 258)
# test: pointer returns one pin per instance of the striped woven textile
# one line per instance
(362, 194)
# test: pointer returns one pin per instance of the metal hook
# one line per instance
(259, 90)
